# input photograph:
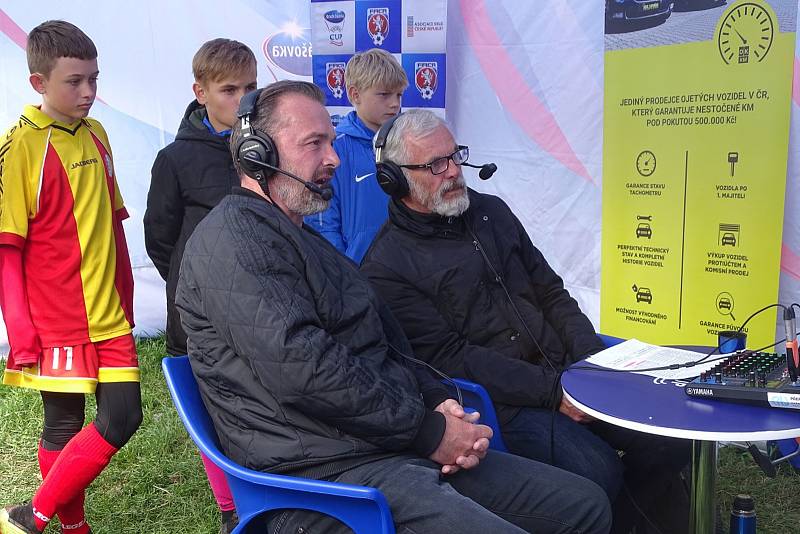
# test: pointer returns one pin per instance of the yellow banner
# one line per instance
(694, 174)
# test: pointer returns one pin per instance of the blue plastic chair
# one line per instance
(610, 341)
(476, 399)
(363, 509)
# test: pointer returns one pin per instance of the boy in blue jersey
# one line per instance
(375, 83)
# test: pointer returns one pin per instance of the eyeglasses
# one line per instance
(440, 165)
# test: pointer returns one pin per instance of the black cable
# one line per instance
(669, 367)
(499, 280)
(686, 365)
(557, 381)
(739, 330)
(432, 368)
(677, 366)
(772, 344)
(553, 411)
(638, 509)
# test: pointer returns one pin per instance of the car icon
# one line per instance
(643, 294)
(644, 230)
(728, 239)
(724, 304)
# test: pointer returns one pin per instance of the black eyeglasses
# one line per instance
(440, 165)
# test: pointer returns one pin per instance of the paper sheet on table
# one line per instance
(633, 354)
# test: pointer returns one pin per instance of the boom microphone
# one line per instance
(325, 192)
(486, 171)
(792, 363)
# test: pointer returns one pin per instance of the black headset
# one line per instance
(256, 151)
(254, 144)
(389, 174)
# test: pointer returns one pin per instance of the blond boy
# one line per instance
(375, 83)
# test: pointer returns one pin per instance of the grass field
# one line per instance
(156, 483)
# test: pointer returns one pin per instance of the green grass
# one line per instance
(777, 499)
(156, 483)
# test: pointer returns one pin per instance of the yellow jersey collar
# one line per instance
(37, 118)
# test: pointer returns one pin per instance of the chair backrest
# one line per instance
(477, 399)
(364, 509)
(610, 341)
(192, 411)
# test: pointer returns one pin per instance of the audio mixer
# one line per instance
(760, 378)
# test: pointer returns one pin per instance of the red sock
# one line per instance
(73, 520)
(84, 457)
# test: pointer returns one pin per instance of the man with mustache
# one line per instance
(302, 366)
(477, 300)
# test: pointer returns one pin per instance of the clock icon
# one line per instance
(745, 34)
(646, 163)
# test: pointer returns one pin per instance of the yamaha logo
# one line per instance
(701, 392)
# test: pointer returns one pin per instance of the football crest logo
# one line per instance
(378, 24)
(334, 75)
(426, 78)
(109, 165)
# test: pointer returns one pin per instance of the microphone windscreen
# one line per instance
(487, 171)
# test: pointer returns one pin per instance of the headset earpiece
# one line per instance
(254, 144)
(391, 179)
(258, 146)
(389, 174)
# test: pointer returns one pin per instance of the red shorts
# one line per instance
(78, 369)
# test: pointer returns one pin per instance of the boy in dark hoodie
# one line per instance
(189, 177)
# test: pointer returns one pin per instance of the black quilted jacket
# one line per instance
(189, 177)
(457, 316)
(290, 346)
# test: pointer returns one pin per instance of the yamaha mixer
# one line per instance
(761, 378)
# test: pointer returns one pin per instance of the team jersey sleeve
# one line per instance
(119, 204)
(19, 175)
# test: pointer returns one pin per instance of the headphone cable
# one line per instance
(432, 368)
(557, 381)
(499, 280)
(686, 365)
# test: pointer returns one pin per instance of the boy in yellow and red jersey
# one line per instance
(66, 287)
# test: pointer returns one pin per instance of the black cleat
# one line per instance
(229, 522)
(18, 520)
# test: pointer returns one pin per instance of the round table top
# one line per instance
(660, 406)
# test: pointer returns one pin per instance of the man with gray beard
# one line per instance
(304, 370)
(479, 301)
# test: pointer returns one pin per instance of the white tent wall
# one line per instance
(525, 90)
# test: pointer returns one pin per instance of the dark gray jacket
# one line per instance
(189, 177)
(458, 317)
(295, 355)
